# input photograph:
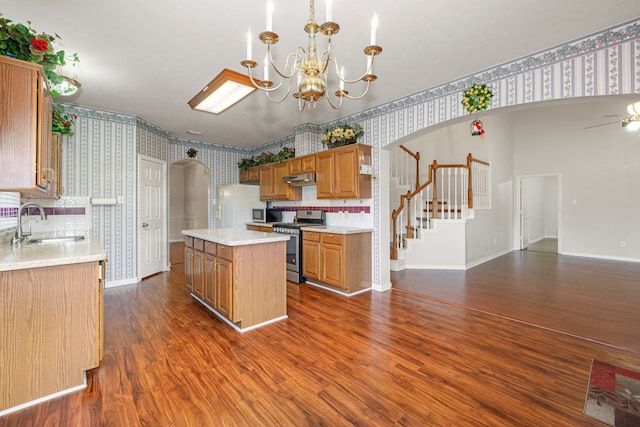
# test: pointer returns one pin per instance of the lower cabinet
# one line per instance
(51, 329)
(188, 262)
(341, 261)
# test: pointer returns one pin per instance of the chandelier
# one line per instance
(310, 68)
(632, 122)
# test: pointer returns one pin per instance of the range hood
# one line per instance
(300, 179)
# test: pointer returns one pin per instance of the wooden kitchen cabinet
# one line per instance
(188, 262)
(271, 185)
(197, 287)
(341, 261)
(260, 228)
(338, 173)
(224, 278)
(302, 164)
(53, 170)
(25, 114)
(250, 176)
(51, 321)
(311, 254)
(210, 294)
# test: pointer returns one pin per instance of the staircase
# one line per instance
(429, 221)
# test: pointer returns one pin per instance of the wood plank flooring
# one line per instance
(392, 358)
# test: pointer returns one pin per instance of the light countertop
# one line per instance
(235, 236)
(337, 229)
(27, 255)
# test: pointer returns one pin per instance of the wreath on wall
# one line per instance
(477, 98)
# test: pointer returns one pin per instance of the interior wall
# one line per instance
(600, 169)
(176, 202)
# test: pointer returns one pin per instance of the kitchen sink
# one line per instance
(58, 239)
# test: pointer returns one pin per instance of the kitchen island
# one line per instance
(239, 275)
(51, 318)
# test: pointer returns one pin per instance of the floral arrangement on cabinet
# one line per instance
(266, 157)
(342, 134)
(61, 121)
(23, 42)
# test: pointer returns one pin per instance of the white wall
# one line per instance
(600, 169)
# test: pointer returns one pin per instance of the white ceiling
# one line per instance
(148, 58)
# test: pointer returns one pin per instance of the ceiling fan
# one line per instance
(630, 121)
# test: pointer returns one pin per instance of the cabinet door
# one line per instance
(198, 277)
(331, 265)
(347, 173)
(209, 279)
(266, 182)
(295, 166)
(324, 175)
(224, 287)
(25, 113)
(310, 259)
(188, 267)
(280, 189)
(308, 163)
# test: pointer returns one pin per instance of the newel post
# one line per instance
(434, 200)
(469, 185)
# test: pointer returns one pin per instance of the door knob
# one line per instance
(145, 225)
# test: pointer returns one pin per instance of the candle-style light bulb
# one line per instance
(374, 28)
(269, 16)
(249, 49)
(329, 11)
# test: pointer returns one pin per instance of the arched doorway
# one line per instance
(188, 197)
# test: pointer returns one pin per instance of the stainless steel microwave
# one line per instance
(267, 215)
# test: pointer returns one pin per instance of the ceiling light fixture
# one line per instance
(310, 68)
(67, 86)
(222, 92)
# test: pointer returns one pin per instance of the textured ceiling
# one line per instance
(149, 58)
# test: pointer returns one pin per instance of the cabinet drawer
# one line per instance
(335, 239)
(198, 244)
(311, 236)
(188, 241)
(225, 252)
(210, 248)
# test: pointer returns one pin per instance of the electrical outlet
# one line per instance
(623, 244)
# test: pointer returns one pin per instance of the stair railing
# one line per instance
(454, 180)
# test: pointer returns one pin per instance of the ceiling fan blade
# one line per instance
(602, 124)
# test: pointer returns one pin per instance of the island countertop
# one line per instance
(235, 236)
(28, 255)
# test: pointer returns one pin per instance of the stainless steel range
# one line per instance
(304, 218)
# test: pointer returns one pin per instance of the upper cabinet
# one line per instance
(53, 172)
(338, 173)
(25, 127)
(250, 176)
(271, 185)
(302, 164)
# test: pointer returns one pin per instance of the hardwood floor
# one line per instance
(392, 358)
(544, 245)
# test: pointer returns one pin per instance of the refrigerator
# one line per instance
(234, 204)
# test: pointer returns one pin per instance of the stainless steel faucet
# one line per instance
(20, 236)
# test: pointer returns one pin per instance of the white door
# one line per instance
(153, 243)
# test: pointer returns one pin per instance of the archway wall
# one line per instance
(604, 63)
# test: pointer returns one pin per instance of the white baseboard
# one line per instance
(124, 282)
(611, 258)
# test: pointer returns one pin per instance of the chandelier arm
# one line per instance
(283, 74)
(335, 106)
(362, 77)
(361, 95)
(285, 96)
(263, 88)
